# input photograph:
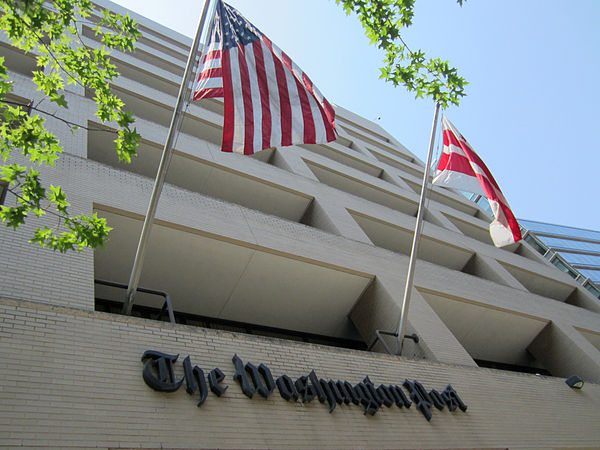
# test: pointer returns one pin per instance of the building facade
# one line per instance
(280, 268)
(575, 251)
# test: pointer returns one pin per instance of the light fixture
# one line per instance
(574, 382)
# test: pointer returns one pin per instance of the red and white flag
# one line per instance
(461, 168)
(268, 100)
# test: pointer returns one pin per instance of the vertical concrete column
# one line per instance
(330, 215)
(564, 351)
(359, 147)
(485, 267)
(379, 309)
(584, 299)
(390, 175)
(291, 161)
(437, 339)
(436, 217)
(399, 146)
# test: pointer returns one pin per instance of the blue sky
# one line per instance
(533, 68)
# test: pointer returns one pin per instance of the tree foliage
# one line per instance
(383, 21)
(50, 31)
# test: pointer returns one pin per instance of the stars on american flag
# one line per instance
(237, 30)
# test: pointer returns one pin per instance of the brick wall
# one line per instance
(74, 378)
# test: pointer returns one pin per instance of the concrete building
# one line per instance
(575, 251)
(292, 259)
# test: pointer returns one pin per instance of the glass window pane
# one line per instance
(560, 230)
(540, 248)
(568, 244)
(562, 266)
(593, 275)
(575, 258)
(483, 202)
(593, 289)
(3, 189)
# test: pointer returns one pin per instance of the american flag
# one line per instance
(461, 168)
(269, 101)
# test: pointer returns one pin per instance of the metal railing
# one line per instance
(166, 305)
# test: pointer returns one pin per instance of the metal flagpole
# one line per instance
(416, 236)
(136, 271)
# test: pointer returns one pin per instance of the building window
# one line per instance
(3, 191)
(229, 325)
(541, 249)
(592, 288)
(562, 266)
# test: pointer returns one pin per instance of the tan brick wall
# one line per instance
(73, 378)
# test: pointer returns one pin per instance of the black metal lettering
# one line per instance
(343, 390)
(453, 400)
(158, 374)
(312, 376)
(338, 395)
(328, 394)
(158, 371)
(419, 395)
(267, 376)
(188, 373)
(437, 399)
(215, 377)
(199, 375)
(371, 407)
(194, 380)
(260, 387)
(399, 396)
(305, 389)
(241, 377)
(286, 388)
(359, 391)
(385, 395)
(376, 400)
(372, 391)
(354, 397)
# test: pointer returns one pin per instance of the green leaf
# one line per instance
(49, 32)
(59, 100)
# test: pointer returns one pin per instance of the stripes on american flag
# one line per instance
(460, 167)
(269, 101)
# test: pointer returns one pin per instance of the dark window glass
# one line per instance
(569, 244)
(536, 245)
(585, 260)
(593, 275)
(560, 230)
(593, 289)
(3, 190)
(562, 266)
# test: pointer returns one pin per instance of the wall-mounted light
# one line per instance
(574, 382)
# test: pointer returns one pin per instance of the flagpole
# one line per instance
(136, 270)
(416, 236)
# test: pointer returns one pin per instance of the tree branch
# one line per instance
(53, 115)
(45, 209)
